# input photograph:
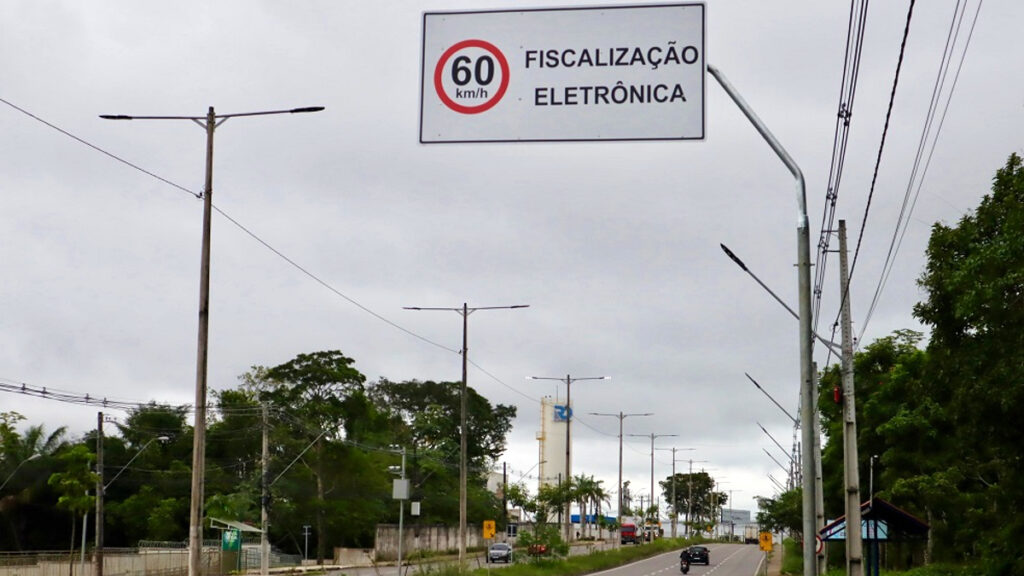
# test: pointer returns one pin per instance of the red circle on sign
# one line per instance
(439, 69)
(821, 544)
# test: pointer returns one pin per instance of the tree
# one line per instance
(974, 280)
(322, 388)
(73, 486)
(782, 513)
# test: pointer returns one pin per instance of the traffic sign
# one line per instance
(765, 541)
(489, 529)
(582, 73)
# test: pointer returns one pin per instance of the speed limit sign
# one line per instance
(471, 76)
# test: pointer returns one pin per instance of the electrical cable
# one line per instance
(903, 222)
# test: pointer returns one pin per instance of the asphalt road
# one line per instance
(726, 560)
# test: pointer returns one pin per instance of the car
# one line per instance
(700, 555)
(499, 552)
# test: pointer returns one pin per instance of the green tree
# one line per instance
(974, 280)
(783, 513)
(73, 485)
(323, 389)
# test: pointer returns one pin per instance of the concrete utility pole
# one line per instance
(652, 436)
(806, 332)
(209, 123)
(464, 311)
(621, 417)
(265, 499)
(819, 493)
(98, 555)
(568, 437)
(854, 544)
(675, 513)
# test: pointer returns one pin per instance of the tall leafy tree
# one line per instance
(974, 280)
(322, 389)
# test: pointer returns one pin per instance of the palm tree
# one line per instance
(589, 494)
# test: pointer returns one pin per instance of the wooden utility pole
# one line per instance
(854, 544)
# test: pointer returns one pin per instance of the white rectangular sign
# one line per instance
(567, 74)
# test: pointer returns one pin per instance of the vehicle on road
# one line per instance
(684, 565)
(499, 552)
(627, 534)
(537, 550)
(700, 555)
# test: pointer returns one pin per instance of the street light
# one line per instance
(568, 437)
(125, 467)
(464, 311)
(652, 436)
(675, 513)
(209, 122)
(689, 498)
(621, 417)
(101, 494)
(18, 467)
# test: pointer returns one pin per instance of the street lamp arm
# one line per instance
(203, 118)
(828, 344)
(125, 467)
(765, 392)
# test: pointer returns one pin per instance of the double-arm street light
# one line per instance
(568, 436)
(675, 513)
(464, 311)
(209, 123)
(621, 417)
(652, 436)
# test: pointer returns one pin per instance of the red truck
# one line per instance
(627, 534)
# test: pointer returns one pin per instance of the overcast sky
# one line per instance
(614, 245)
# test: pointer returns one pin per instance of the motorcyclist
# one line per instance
(684, 560)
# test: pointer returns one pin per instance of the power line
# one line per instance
(305, 271)
(903, 220)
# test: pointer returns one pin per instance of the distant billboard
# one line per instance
(567, 74)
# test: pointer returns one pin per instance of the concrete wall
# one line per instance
(416, 538)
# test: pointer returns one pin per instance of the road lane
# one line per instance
(726, 560)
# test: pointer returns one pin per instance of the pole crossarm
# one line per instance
(621, 416)
(569, 379)
(465, 310)
(209, 123)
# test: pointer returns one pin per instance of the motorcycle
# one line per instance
(684, 565)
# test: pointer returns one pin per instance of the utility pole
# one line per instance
(689, 499)
(621, 417)
(265, 499)
(675, 513)
(819, 493)
(209, 124)
(464, 311)
(854, 544)
(568, 437)
(98, 555)
(652, 436)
